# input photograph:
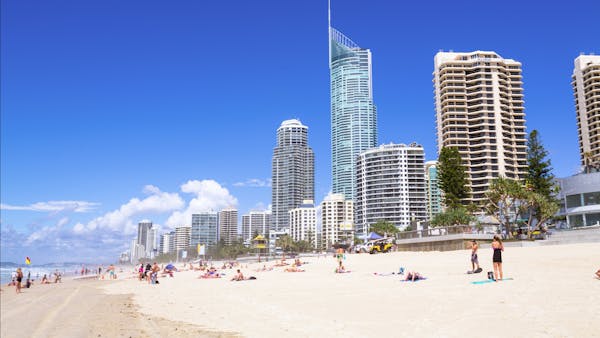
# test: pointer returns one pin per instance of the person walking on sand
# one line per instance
(474, 258)
(497, 257)
(19, 279)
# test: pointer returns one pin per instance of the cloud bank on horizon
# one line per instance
(104, 237)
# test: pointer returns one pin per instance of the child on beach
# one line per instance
(474, 258)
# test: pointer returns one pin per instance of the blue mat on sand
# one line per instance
(488, 281)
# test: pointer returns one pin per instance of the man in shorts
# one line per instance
(474, 259)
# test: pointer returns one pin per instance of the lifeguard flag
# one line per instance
(27, 260)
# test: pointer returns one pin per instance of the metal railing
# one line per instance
(438, 231)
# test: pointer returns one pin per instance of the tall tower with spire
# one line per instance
(353, 114)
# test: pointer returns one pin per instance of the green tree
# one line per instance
(383, 227)
(539, 170)
(456, 216)
(452, 178)
(540, 207)
(503, 197)
(286, 243)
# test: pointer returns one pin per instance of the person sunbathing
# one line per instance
(413, 276)
(293, 268)
(45, 280)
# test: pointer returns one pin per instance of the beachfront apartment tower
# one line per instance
(165, 239)
(293, 172)
(586, 88)
(434, 196)
(228, 225)
(144, 237)
(479, 110)
(337, 220)
(205, 228)
(390, 186)
(182, 237)
(303, 223)
(255, 222)
(353, 113)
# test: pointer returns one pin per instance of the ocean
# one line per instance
(38, 271)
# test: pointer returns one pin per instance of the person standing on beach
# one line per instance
(474, 258)
(497, 257)
(19, 279)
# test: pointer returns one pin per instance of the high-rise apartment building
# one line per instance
(434, 196)
(479, 110)
(303, 223)
(255, 222)
(337, 220)
(228, 225)
(353, 113)
(145, 237)
(163, 247)
(390, 186)
(293, 172)
(182, 237)
(205, 228)
(586, 88)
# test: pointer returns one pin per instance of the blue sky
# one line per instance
(118, 111)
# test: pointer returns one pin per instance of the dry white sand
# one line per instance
(554, 293)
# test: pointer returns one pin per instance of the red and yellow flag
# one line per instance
(27, 260)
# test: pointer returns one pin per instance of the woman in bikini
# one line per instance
(497, 257)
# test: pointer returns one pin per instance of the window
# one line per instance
(573, 201)
(576, 220)
(591, 198)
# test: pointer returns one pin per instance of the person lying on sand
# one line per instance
(598, 273)
(413, 276)
(264, 268)
(293, 268)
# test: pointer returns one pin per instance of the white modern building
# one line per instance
(165, 239)
(293, 172)
(390, 186)
(580, 199)
(228, 225)
(434, 196)
(255, 222)
(479, 110)
(337, 220)
(353, 113)
(586, 88)
(303, 222)
(205, 228)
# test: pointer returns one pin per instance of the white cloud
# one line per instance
(121, 219)
(54, 206)
(151, 189)
(210, 195)
(254, 183)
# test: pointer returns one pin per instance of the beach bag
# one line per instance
(490, 275)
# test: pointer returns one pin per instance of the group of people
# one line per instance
(149, 273)
(498, 248)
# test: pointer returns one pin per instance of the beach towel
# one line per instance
(488, 281)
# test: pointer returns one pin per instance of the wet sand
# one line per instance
(82, 309)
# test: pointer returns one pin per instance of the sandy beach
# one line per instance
(553, 293)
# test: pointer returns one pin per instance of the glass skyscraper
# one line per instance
(353, 114)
